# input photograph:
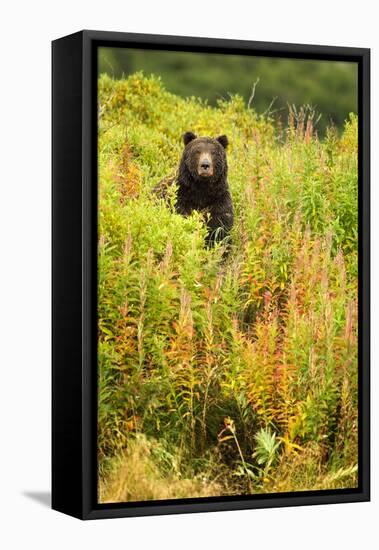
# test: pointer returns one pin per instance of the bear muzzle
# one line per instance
(205, 166)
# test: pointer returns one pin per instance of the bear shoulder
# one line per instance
(161, 190)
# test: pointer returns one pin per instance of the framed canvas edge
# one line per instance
(88, 508)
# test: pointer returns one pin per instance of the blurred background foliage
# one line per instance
(329, 86)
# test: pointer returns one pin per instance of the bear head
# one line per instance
(204, 158)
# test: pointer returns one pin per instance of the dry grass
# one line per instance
(137, 477)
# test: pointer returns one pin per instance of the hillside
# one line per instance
(225, 377)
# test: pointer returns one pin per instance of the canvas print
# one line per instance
(227, 275)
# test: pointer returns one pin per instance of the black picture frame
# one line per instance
(74, 273)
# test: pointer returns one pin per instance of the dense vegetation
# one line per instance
(329, 86)
(236, 376)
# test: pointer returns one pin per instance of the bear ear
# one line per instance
(188, 137)
(223, 140)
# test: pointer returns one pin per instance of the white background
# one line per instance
(26, 31)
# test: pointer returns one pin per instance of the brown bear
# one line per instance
(203, 185)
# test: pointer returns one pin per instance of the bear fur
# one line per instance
(202, 184)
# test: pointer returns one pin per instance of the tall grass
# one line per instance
(225, 377)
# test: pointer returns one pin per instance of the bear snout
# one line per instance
(205, 165)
